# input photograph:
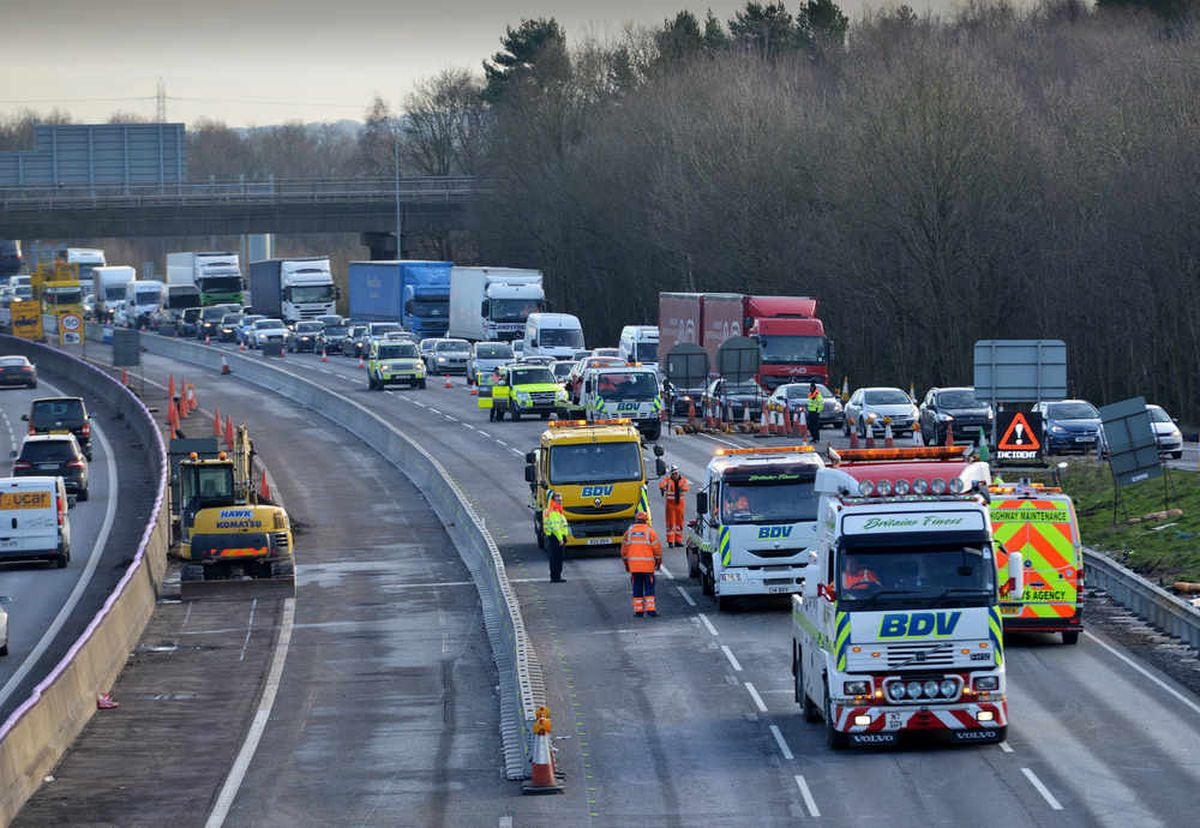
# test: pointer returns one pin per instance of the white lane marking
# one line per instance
(1042, 789)
(809, 802)
(722, 442)
(733, 662)
(1195, 708)
(89, 569)
(434, 410)
(506, 822)
(12, 440)
(450, 418)
(517, 452)
(666, 573)
(501, 442)
(704, 620)
(468, 425)
(783, 746)
(691, 602)
(418, 402)
(241, 764)
(389, 392)
(1006, 747)
(758, 702)
(249, 629)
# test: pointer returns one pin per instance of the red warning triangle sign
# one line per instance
(1019, 436)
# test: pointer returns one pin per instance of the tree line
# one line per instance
(999, 174)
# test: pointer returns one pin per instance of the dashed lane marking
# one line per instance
(733, 662)
(691, 602)
(704, 620)
(783, 746)
(758, 702)
(1042, 789)
(666, 573)
(1006, 747)
(249, 629)
(809, 802)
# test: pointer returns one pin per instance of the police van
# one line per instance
(34, 525)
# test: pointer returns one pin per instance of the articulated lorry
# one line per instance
(492, 303)
(293, 289)
(790, 336)
(218, 276)
(414, 293)
(898, 631)
(756, 520)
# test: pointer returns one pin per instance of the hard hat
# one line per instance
(556, 495)
(674, 468)
(641, 515)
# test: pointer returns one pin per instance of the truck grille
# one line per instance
(609, 509)
(916, 656)
(598, 528)
(774, 553)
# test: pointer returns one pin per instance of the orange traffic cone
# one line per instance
(853, 434)
(105, 701)
(918, 440)
(324, 356)
(764, 423)
(229, 432)
(208, 339)
(888, 439)
(184, 408)
(802, 431)
(361, 364)
(949, 434)
(125, 377)
(446, 383)
(171, 387)
(691, 412)
(543, 779)
(870, 433)
(217, 423)
(241, 346)
(264, 488)
(225, 370)
(172, 419)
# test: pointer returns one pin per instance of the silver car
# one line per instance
(487, 357)
(449, 356)
(873, 405)
(1167, 435)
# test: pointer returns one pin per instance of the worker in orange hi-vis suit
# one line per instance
(673, 487)
(641, 551)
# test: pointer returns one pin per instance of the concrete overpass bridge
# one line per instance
(219, 208)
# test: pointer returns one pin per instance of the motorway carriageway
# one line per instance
(48, 608)
(689, 718)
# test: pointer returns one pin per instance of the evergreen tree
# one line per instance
(534, 53)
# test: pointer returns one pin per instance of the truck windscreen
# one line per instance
(786, 499)
(793, 350)
(561, 337)
(627, 386)
(64, 296)
(429, 308)
(221, 284)
(514, 310)
(114, 293)
(921, 573)
(645, 352)
(595, 463)
(311, 293)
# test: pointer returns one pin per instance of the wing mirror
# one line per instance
(530, 474)
(660, 466)
(1016, 575)
(827, 592)
(530, 457)
(25, 417)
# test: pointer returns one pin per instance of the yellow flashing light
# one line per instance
(889, 454)
(193, 455)
(723, 452)
(222, 455)
(583, 423)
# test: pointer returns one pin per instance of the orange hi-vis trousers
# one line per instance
(643, 592)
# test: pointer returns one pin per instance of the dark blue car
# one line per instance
(1069, 425)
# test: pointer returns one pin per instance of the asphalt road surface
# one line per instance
(684, 719)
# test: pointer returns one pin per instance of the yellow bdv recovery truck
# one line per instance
(600, 470)
(225, 533)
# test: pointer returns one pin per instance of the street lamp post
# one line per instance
(399, 213)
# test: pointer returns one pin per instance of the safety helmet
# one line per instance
(674, 468)
(641, 515)
(556, 495)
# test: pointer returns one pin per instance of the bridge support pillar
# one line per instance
(381, 245)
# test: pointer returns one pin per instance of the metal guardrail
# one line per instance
(428, 189)
(1148, 601)
(522, 689)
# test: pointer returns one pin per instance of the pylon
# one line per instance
(185, 407)
(918, 440)
(543, 779)
(241, 346)
(361, 364)
(802, 431)
(691, 412)
(264, 488)
(217, 423)
(324, 356)
(208, 339)
(853, 434)
(125, 377)
(229, 432)
(949, 434)
(788, 425)
(173, 419)
(888, 439)
(225, 369)
(474, 391)
(171, 387)
(446, 383)
(764, 423)
(746, 418)
(105, 701)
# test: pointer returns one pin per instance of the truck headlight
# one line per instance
(948, 687)
(989, 683)
(897, 691)
(856, 688)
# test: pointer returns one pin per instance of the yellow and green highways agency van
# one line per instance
(526, 390)
(1040, 523)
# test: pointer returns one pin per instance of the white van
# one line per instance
(557, 335)
(639, 343)
(34, 525)
(143, 298)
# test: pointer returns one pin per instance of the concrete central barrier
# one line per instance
(521, 687)
(38, 733)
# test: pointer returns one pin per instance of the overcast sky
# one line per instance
(266, 61)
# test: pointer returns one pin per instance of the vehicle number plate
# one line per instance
(778, 590)
(1010, 610)
(47, 465)
(1085, 439)
(600, 541)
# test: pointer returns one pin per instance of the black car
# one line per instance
(355, 344)
(210, 320)
(48, 415)
(335, 338)
(54, 455)
(228, 330)
(305, 336)
(17, 370)
(957, 408)
(733, 400)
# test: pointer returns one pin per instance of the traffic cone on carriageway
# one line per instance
(125, 377)
(361, 364)
(950, 434)
(324, 356)
(542, 779)
(225, 370)
(171, 387)
(241, 346)
(870, 432)
(888, 438)
(446, 382)
(853, 434)
(764, 422)
(208, 339)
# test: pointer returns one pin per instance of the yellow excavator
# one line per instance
(226, 532)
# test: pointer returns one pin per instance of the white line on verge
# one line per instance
(758, 702)
(704, 620)
(233, 782)
(89, 569)
(783, 746)
(733, 662)
(809, 802)
(666, 573)
(691, 602)
(249, 629)
(1006, 747)
(1042, 789)
(1195, 708)
(517, 452)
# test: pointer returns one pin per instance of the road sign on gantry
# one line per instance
(1020, 437)
(1020, 370)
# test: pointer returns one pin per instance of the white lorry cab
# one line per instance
(631, 393)
(898, 630)
(639, 343)
(558, 335)
(35, 526)
(755, 523)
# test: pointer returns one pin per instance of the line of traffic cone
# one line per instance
(543, 778)
(171, 387)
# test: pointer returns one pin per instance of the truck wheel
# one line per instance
(60, 561)
(1070, 636)
(516, 416)
(655, 431)
(725, 603)
(539, 531)
(834, 739)
(812, 714)
(693, 560)
(707, 587)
